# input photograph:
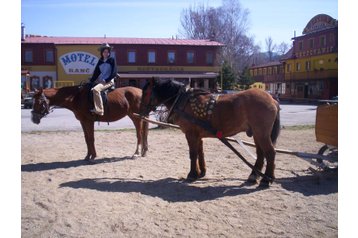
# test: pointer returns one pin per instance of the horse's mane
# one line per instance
(167, 88)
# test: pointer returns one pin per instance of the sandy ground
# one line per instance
(121, 196)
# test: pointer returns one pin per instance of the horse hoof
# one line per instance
(191, 177)
(264, 183)
(252, 179)
(202, 174)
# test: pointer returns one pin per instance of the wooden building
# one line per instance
(310, 69)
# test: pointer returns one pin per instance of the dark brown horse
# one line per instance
(253, 111)
(121, 102)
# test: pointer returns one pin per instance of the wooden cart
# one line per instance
(327, 132)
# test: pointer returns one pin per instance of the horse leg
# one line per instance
(202, 164)
(270, 153)
(88, 130)
(193, 142)
(145, 126)
(258, 165)
(138, 126)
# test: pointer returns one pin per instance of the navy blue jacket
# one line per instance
(97, 70)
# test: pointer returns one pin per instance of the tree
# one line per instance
(227, 24)
(270, 47)
(245, 79)
(228, 76)
(282, 48)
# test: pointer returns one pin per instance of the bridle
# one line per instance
(152, 106)
(44, 105)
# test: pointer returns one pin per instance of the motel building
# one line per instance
(310, 68)
(48, 61)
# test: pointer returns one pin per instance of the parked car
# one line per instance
(28, 102)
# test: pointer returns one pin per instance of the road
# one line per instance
(62, 119)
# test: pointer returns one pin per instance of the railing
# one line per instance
(317, 74)
(60, 84)
(309, 75)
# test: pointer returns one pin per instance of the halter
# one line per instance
(44, 105)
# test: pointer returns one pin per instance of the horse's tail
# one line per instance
(276, 126)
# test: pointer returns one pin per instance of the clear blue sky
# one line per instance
(160, 18)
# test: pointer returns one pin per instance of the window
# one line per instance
(288, 67)
(49, 56)
(322, 41)
(298, 66)
(311, 43)
(209, 58)
(151, 57)
(28, 56)
(190, 57)
(131, 57)
(300, 45)
(308, 65)
(171, 57)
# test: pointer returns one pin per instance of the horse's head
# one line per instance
(40, 107)
(156, 92)
(149, 99)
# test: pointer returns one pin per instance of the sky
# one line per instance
(277, 19)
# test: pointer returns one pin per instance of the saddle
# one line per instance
(103, 95)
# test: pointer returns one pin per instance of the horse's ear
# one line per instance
(151, 81)
(38, 91)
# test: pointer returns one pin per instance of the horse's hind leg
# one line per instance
(258, 165)
(270, 153)
(193, 142)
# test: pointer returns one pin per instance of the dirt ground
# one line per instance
(121, 196)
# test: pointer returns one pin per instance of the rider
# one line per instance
(103, 75)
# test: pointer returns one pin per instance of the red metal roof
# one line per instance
(118, 40)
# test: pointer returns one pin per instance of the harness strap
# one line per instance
(205, 125)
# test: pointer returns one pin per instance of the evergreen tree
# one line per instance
(228, 76)
(245, 80)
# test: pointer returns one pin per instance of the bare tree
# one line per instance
(227, 24)
(270, 47)
(282, 48)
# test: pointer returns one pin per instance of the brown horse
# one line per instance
(197, 112)
(121, 102)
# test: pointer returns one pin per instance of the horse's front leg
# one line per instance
(193, 142)
(202, 164)
(138, 126)
(88, 130)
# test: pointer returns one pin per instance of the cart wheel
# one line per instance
(329, 152)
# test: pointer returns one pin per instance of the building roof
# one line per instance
(118, 40)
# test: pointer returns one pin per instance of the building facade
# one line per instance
(310, 69)
(62, 61)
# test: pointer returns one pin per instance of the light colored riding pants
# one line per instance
(98, 104)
